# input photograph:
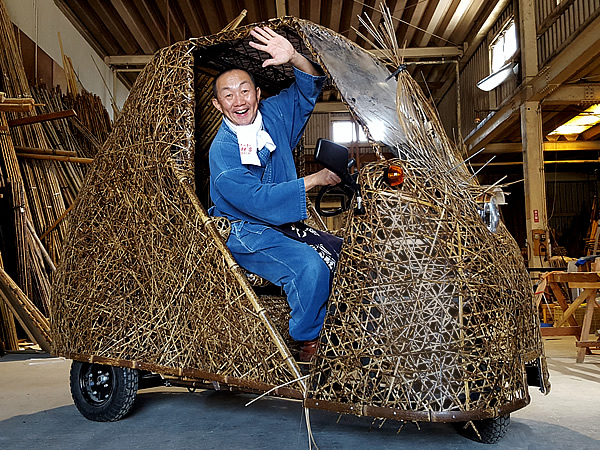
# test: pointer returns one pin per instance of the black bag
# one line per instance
(325, 244)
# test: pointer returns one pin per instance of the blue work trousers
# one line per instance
(294, 265)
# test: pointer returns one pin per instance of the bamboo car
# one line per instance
(431, 315)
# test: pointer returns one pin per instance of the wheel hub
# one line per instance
(97, 384)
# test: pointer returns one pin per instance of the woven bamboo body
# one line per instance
(430, 317)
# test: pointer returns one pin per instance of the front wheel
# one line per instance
(103, 393)
(489, 431)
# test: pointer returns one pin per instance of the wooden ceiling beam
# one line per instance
(427, 52)
(415, 21)
(476, 19)
(491, 128)
(191, 18)
(335, 13)
(434, 14)
(280, 8)
(153, 21)
(293, 8)
(451, 18)
(127, 60)
(404, 12)
(352, 21)
(90, 27)
(482, 25)
(591, 133)
(136, 25)
(171, 20)
(558, 146)
(315, 11)
(116, 26)
(211, 16)
(331, 107)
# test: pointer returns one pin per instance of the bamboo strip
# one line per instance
(32, 321)
(8, 330)
(44, 151)
(55, 158)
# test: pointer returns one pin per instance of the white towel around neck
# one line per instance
(251, 138)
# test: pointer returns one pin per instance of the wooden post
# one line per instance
(585, 328)
(538, 249)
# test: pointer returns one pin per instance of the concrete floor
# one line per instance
(36, 411)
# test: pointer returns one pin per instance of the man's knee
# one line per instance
(314, 267)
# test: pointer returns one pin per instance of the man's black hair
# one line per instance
(223, 72)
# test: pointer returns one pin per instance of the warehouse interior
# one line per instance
(515, 86)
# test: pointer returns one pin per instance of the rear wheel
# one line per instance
(489, 431)
(103, 393)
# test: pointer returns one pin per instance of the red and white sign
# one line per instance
(536, 216)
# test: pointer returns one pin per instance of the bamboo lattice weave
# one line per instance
(141, 279)
(452, 330)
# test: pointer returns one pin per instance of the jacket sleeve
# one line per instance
(295, 104)
(273, 204)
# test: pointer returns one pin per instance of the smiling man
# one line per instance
(253, 182)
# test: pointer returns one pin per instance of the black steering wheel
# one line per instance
(341, 193)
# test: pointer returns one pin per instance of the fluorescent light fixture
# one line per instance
(579, 123)
(494, 80)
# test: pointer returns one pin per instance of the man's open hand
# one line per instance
(280, 49)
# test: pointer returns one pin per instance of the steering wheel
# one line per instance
(341, 193)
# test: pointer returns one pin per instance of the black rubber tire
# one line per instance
(490, 430)
(103, 393)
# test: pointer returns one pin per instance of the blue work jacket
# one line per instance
(271, 194)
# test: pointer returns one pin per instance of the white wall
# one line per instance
(41, 20)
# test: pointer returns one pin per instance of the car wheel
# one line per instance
(489, 431)
(103, 393)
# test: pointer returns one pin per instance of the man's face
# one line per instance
(237, 97)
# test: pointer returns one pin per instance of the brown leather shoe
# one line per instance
(308, 350)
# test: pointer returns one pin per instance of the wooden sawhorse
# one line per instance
(590, 283)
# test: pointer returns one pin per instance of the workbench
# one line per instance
(589, 282)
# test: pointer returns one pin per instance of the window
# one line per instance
(504, 46)
(346, 131)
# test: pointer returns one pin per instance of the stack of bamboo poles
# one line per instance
(33, 264)
(69, 71)
(36, 191)
(64, 145)
(92, 125)
(40, 183)
(8, 331)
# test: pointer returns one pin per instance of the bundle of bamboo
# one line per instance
(8, 330)
(41, 170)
(92, 125)
(34, 182)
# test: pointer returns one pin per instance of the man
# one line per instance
(253, 182)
